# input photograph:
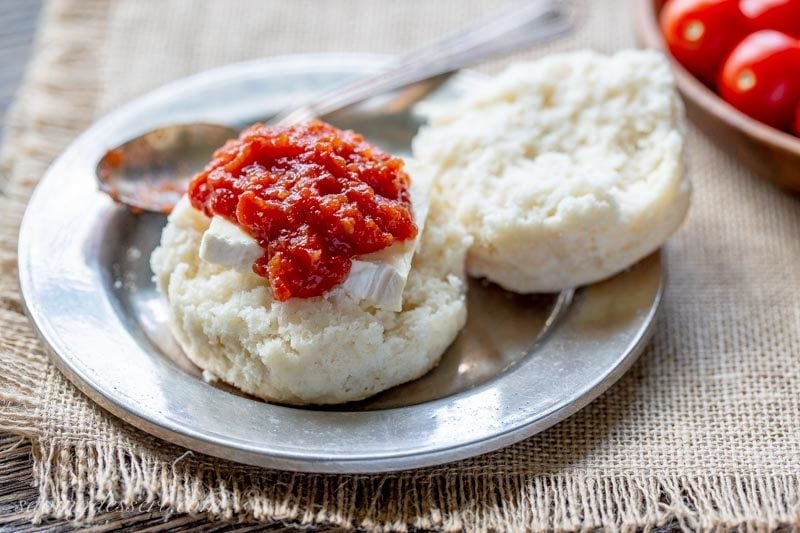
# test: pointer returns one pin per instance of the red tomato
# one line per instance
(761, 77)
(700, 33)
(797, 121)
(781, 15)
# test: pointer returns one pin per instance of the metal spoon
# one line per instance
(150, 172)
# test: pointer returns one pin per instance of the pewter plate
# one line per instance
(521, 364)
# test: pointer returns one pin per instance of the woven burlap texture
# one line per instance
(704, 431)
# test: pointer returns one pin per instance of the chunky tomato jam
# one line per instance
(312, 195)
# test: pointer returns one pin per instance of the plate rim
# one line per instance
(359, 463)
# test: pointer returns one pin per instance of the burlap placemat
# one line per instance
(704, 430)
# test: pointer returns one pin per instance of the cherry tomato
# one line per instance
(761, 77)
(781, 15)
(700, 33)
(797, 121)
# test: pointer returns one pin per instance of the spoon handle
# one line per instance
(519, 26)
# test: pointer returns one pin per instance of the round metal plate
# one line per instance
(520, 365)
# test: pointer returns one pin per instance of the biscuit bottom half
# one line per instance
(322, 350)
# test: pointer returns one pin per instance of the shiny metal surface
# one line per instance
(150, 172)
(521, 364)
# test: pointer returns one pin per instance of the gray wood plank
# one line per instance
(18, 19)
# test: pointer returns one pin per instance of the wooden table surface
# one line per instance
(17, 26)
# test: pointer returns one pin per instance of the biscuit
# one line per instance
(322, 350)
(565, 170)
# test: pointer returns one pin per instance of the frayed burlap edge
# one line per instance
(81, 479)
(89, 478)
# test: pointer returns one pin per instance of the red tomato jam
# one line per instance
(313, 196)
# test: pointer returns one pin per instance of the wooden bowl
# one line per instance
(771, 153)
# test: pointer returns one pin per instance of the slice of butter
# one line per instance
(378, 278)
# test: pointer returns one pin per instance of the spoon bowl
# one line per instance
(151, 172)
